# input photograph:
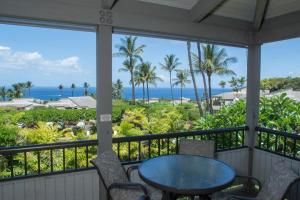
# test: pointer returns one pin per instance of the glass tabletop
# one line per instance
(186, 174)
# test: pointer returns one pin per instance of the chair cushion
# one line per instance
(123, 194)
(110, 168)
(197, 147)
(281, 176)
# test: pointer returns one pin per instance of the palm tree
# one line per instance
(129, 65)
(86, 87)
(222, 84)
(117, 89)
(241, 81)
(17, 90)
(181, 79)
(129, 49)
(200, 68)
(131, 52)
(170, 64)
(29, 86)
(61, 88)
(10, 93)
(73, 86)
(3, 93)
(140, 77)
(216, 61)
(234, 84)
(193, 78)
(151, 78)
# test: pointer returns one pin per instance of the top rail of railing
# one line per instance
(279, 142)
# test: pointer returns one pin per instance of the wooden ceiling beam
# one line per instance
(260, 13)
(204, 8)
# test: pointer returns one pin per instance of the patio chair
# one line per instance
(116, 181)
(197, 147)
(276, 187)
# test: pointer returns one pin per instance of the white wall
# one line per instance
(71, 186)
(263, 162)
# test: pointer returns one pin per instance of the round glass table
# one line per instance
(189, 175)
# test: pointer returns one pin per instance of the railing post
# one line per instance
(253, 92)
(104, 87)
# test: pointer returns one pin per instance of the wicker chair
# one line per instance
(276, 187)
(117, 182)
(197, 147)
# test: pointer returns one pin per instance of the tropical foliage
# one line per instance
(274, 84)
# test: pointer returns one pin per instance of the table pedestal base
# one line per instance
(172, 196)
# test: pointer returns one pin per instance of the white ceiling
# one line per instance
(281, 7)
(184, 4)
(238, 9)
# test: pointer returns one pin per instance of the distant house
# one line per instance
(84, 101)
(64, 103)
(154, 100)
(184, 100)
(22, 103)
(228, 98)
(292, 94)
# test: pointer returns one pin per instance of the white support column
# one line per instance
(253, 92)
(104, 87)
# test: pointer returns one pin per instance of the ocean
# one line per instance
(53, 93)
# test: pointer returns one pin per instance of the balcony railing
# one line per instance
(278, 142)
(40, 160)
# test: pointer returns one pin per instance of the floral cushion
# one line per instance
(126, 194)
(281, 176)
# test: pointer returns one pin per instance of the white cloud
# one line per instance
(163, 77)
(3, 48)
(19, 60)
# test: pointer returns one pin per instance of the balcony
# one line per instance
(42, 171)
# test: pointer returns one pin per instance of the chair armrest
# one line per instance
(130, 186)
(243, 187)
(130, 169)
(242, 198)
(251, 178)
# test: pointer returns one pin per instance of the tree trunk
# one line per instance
(210, 97)
(193, 78)
(203, 76)
(148, 95)
(171, 88)
(181, 94)
(132, 88)
(143, 92)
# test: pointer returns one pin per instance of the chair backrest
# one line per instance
(197, 147)
(109, 168)
(279, 180)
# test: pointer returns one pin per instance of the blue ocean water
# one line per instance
(53, 93)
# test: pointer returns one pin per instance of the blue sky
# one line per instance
(49, 57)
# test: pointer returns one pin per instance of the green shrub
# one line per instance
(8, 135)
